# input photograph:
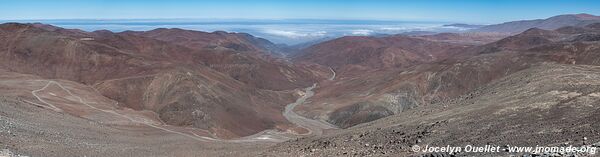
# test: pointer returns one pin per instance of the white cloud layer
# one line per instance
(362, 32)
(286, 31)
(295, 34)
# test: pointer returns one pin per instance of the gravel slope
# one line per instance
(547, 105)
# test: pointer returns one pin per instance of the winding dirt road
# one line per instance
(333, 74)
(314, 127)
(199, 138)
(263, 136)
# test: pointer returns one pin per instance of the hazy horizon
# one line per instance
(288, 22)
(288, 32)
(463, 11)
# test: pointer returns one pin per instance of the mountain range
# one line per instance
(551, 23)
(176, 92)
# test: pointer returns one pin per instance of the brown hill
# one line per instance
(356, 54)
(241, 56)
(57, 118)
(530, 38)
(69, 92)
(551, 23)
(200, 40)
(226, 91)
(375, 94)
(545, 105)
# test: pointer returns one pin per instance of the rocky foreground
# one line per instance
(173, 92)
(547, 105)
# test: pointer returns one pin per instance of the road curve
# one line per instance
(314, 127)
(333, 74)
(198, 138)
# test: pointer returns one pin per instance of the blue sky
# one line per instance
(471, 11)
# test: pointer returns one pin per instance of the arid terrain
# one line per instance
(177, 92)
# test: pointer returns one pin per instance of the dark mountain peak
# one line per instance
(175, 31)
(221, 33)
(463, 25)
